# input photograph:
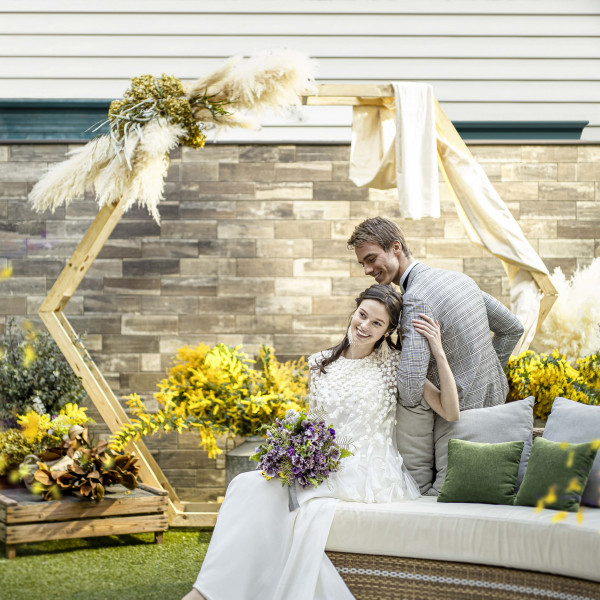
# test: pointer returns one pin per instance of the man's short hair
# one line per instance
(380, 231)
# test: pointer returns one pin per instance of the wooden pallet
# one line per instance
(27, 518)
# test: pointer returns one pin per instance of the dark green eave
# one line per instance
(67, 119)
(520, 130)
(33, 119)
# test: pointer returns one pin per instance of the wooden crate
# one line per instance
(26, 518)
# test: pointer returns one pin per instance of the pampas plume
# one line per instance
(72, 177)
(573, 324)
(97, 166)
(151, 163)
(273, 79)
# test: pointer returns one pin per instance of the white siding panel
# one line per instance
(330, 69)
(537, 92)
(308, 6)
(319, 47)
(327, 135)
(591, 134)
(308, 24)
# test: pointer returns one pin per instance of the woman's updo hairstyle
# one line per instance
(392, 300)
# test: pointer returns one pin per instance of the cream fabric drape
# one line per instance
(407, 160)
(485, 217)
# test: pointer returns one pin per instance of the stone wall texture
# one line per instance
(252, 250)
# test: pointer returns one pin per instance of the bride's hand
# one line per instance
(430, 329)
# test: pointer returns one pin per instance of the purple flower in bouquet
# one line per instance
(301, 447)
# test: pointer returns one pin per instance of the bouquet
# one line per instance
(300, 448)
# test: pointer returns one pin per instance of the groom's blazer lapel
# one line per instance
(414, 272)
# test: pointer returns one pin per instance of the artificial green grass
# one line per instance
(125, 567)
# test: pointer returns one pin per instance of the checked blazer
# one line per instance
(466, 316)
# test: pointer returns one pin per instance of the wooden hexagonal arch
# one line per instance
(109, 407)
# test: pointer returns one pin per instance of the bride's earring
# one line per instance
(384, 349)
(349, 335)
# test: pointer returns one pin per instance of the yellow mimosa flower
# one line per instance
(559, 516)
(28, 356)
(551, 495)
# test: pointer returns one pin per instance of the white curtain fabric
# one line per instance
(382, 159)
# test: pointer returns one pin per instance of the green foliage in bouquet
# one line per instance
(216, 392)
(546, 376)
(34, 374)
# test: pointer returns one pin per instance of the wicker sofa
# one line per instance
(428, 549)
(449, 551)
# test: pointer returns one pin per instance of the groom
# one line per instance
(466, 316)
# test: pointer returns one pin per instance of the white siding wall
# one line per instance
(488, 60)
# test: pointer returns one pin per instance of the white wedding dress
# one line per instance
(262, 551)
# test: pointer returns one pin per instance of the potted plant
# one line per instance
(34, 375)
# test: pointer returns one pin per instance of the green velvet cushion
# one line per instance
(556, 474)
(484, 473)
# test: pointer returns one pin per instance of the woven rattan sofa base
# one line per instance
(372, 577)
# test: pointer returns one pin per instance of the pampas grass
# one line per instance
(134, 168)
(151, 163)
(573, 324)
(72, 177)
(273, 79)
(98, 167)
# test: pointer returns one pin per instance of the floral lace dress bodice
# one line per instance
(359, 397)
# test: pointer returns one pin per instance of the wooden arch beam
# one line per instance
(70, 344)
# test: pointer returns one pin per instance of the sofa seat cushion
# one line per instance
(518, 537)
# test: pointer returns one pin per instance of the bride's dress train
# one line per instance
(262, 551)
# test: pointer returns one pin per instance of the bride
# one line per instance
(259, 549)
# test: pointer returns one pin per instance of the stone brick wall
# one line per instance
(252, 250)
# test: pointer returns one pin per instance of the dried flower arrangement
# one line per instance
(54, 456)
(157, 114)
(83, 468)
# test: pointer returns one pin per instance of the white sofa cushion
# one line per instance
(508, 536)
